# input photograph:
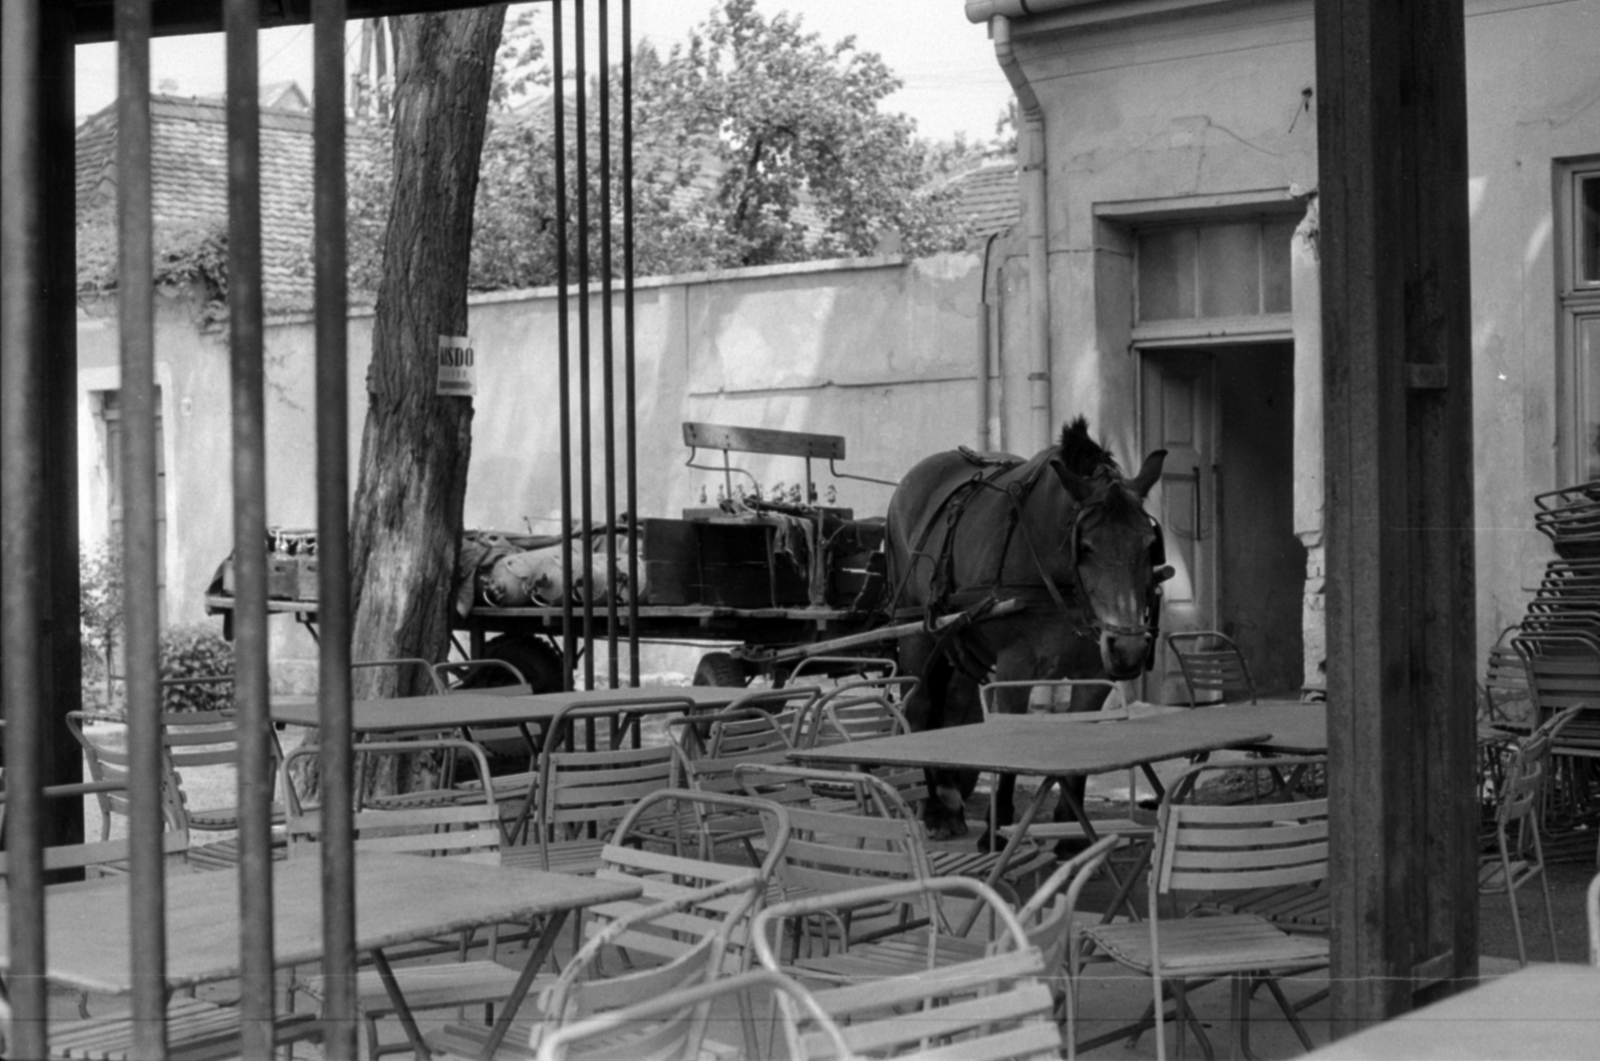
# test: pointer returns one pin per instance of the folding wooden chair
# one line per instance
(431, 830)
(1201, 849)
(1519, 859)
(1214, 668)
(672, 1027)
(994, 1006)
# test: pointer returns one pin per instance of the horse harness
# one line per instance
(942, 584)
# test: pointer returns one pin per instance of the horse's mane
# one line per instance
(1088, 459)
(1083, 455)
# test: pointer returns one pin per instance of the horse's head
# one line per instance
(1117, 549)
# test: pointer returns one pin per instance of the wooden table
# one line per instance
(1297, 728)
(399, 898)
(1044, 746)
(478, 708)
(1540, 1013)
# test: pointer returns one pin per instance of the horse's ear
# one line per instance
(1149, 473)
(1076, 485)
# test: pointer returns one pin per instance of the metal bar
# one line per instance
(241, 18)
(608, 341)
(141, 611)
(563, 344)
(630, 405)
(22, 538)
(586, 484)
(63, 685)
(333, 536)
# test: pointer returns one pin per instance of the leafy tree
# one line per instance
(793, 126)
(755, 143)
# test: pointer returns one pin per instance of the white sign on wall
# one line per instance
(458, 376)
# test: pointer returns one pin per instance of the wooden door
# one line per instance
(1179, 415)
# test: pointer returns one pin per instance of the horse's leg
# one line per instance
(1014, 663)
(944, 811)
(1084, 698)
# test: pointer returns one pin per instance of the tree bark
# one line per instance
(415, 446)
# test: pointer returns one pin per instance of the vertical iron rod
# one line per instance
(333, 537)
(586, 478)
(241, 20)
(630, 408)
(564, 345)
(141, 644)
(608, 342)
(22, 537)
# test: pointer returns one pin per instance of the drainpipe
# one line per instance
(983, 442)
(1030, 150)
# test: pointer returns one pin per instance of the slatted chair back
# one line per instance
(660, 1029)
(1507, 697)
(834, 851)
(97, 858)
(583, 796)
(206, 740)
(1214, 668)
(452, 828)
(811, 728)
(1564, 671)
(992, 1007)
(103, 739)
(731, 737)
(1206, 848)
(689, 920)
(666, 876)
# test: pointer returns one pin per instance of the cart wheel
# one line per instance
(719, 668)
(539, 661)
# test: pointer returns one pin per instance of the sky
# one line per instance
(952, 83)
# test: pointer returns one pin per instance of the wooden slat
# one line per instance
(763, 440)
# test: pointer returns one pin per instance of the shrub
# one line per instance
(196, 652)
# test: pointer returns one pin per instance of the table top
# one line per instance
(1537, 1013)
(1297, 728)
(1041, 745)
(398, 898)
(478, 708)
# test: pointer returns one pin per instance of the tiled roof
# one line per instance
(989, 197)
(189, 180)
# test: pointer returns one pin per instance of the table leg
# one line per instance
(1010, 850)
(1124, 887)
(519, 991)
(401, 1008)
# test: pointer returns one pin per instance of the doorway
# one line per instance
(1225, 415)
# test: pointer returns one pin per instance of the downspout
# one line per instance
(1031, 177)
(983, 442)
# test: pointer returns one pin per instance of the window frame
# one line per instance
(1578, 301)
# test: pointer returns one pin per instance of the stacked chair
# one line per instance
(1558, 642)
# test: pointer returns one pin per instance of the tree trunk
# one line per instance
(406, 519)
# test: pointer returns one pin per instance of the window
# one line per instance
(1578, 277)
(1230, 269)
(111, 418)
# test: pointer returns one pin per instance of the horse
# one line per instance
(1065, 534)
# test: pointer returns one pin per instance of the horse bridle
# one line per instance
(1097, 628)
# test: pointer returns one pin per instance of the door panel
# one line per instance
(1179, 416)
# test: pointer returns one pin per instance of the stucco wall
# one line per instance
(879, 351)
(1194, 108)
